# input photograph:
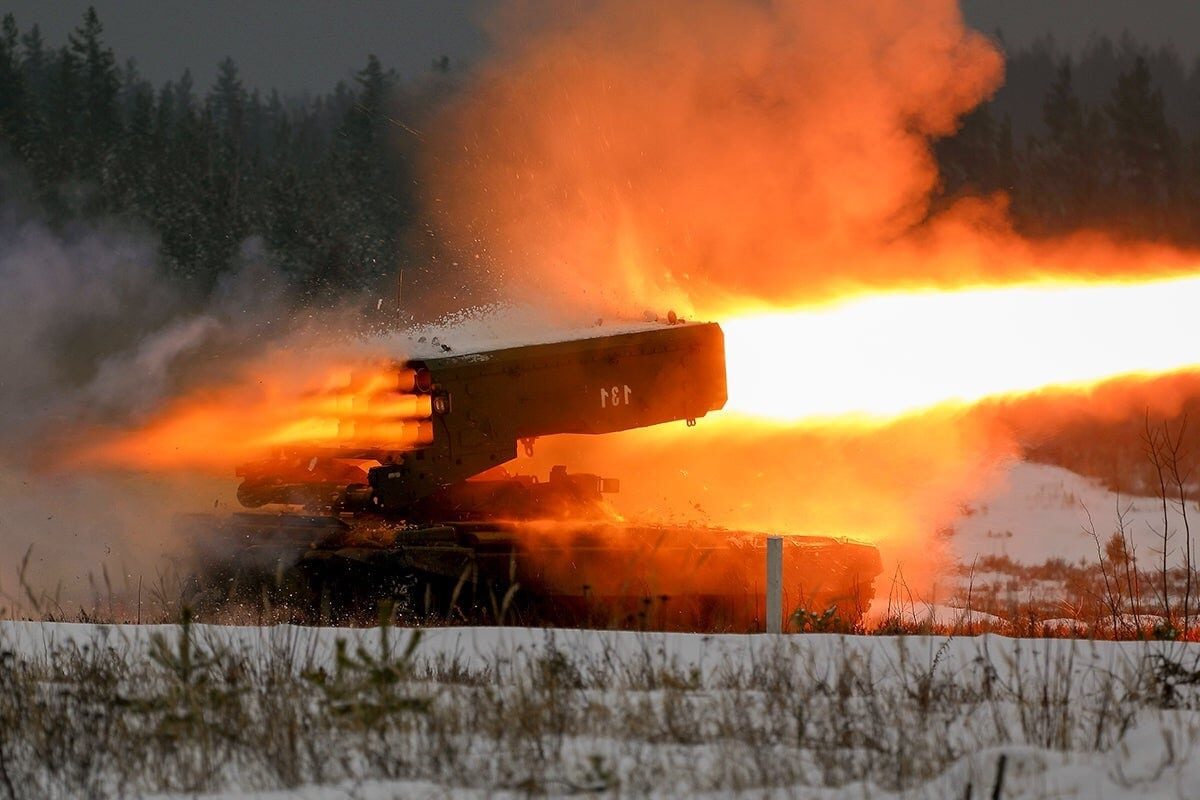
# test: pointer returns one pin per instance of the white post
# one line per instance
(774, 584)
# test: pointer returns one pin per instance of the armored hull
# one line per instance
(419, 509)
(591, 573)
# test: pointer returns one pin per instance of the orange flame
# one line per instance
(876, 357)
(273, 405)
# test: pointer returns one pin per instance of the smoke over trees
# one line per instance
(1107, 138)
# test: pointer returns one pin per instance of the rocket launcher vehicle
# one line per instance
(418, 509)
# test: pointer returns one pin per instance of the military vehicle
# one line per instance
(426, 514)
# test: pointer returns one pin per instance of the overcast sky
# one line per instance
(292, 45)
(308, 45)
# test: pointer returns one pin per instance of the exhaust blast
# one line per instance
(96, 336)
(767, 165)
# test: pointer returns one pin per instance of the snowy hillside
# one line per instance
(1041, 512)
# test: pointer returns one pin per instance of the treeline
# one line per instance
(326, 183)
(1108, 138)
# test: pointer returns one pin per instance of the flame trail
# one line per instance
(872, 358)
(312, 399)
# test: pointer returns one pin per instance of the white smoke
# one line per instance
(93, 329)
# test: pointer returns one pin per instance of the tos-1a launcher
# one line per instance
(424, 513)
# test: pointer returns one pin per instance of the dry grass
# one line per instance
(190, 715)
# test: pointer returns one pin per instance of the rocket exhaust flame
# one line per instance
(268, 408)
(872, 358)
(863, 362)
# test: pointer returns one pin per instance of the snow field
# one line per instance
(1041, 512)
(483, 712)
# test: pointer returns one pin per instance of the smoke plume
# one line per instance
(689, 152)
(723, 158)
(96, 334)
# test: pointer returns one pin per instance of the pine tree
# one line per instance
(1144, 144)
(365, 120)
(183, 99)
(969, 159)
(35, 74)
(228, 100)
(13, 98)
(60, 156)
(137, 154)
(33, 64)
(367, 180)
(180, 183)
(1071, 165)
(99, 87)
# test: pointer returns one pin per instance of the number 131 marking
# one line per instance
(615, 396)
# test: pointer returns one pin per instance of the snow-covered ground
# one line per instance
(500, 326)
(276, 712)
(267, 712)
(1041, 512)
(1037, 550)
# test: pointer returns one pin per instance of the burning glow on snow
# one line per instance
(883, 355)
